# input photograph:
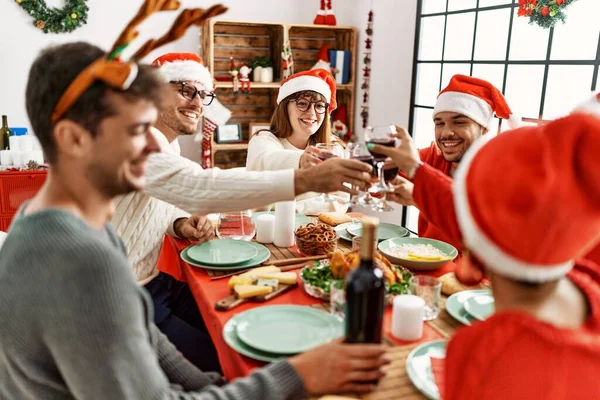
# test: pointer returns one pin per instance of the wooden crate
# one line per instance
(243, 41)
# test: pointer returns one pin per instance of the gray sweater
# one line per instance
(74, 324)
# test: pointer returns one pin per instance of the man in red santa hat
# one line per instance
(463, 113)
(177, 187)
(526, 235)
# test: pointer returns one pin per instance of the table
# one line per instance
(396, 385)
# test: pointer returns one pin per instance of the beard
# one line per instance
(171, 119)
(106, 183)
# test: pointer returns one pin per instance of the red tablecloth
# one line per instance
(207, 292)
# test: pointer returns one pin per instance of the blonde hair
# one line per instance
(280, 122)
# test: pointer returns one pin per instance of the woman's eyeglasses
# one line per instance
(303, 105)
(189, 92)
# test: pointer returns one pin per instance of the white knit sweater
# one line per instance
(267, 152)
(176, 186)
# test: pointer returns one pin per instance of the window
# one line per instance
(543, 73)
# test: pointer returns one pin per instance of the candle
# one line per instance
(407, 317)
(285, 216)
(6, 157)
(265, 228)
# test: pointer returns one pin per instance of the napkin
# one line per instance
(438, 366)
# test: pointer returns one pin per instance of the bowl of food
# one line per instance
(317, 278)
(316, 239)
(418, 254)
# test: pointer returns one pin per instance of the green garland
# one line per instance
(56, 20)
(544, 13)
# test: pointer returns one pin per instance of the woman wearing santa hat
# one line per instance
(301, 120)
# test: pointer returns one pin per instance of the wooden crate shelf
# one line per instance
(244, 41)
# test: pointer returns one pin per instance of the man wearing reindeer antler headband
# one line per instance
(75, 322)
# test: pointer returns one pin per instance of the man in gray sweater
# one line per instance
(74, 322)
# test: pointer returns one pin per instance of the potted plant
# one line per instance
(266, 73)
(257, 64)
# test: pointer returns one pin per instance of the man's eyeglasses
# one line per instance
(304, 104)
(189, 92)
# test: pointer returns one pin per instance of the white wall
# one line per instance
(393, 41)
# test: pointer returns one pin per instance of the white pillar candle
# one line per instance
(407, 317)
(285, 216)
(26, 143)
(265, 228)
(13, 143)
(17, 157)
(6, 157)
(38, 156)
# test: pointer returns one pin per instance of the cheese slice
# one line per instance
(286, 278)
(247, 291)
(256, 273)
(274, 283)
(239, 280)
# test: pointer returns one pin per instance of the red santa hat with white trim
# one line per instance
(545, 213)
(316, 80)
(591, 105)
(176, 67)
(476, 99)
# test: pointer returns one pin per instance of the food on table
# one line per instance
(252, 283)
(256, 273)
(338, 266)
(239, 280)
(247, 291)
(316, 239)
(286, 278)
(418, 252)
(334, 218)
(451, 285)
(273, 283)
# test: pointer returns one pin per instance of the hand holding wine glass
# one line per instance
(405, 155)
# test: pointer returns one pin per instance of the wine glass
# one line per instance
(327, 151)
(381, 135)
(359, 151)
(236, 225)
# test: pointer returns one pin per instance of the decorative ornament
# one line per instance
(245, 77)
(32, 166)
(545, 13)
(339, 123)
(287, 63)
(53, 19)
(366, 72)
(234, 72)
(325, 15)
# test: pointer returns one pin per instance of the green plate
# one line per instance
(235, 343)
(455, 305)
(385, 230)
(262, 256)
(287, 329)
(418, 367)
(387, 245)
(300, 219)
(480, 306)
(342, 232)
(222, 252)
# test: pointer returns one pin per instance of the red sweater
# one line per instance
(515, 356)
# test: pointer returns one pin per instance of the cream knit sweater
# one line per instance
(267, 152)
(176, 186)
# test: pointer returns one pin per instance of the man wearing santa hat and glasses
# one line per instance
(463, 112)
(177, 187)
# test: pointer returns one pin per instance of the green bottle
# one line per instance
(5, 133)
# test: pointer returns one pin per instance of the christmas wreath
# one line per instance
(544, 13)
(56, 20)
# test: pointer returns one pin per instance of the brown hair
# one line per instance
(54, 70)
(280, 122)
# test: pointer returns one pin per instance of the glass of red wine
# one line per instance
(359, 151)
(325, 152)
(383, 136)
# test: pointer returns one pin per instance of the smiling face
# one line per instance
(305, 123)
(455, 133)
(177, 112)
(117, 155)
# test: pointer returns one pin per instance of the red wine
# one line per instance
(387, 142)
(369, 160)
(390, 174)
(365, 292)
(325, 156)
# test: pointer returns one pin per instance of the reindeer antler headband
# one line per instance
(120, 75)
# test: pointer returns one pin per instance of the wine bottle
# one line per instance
(5, 133)
(365, 292)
